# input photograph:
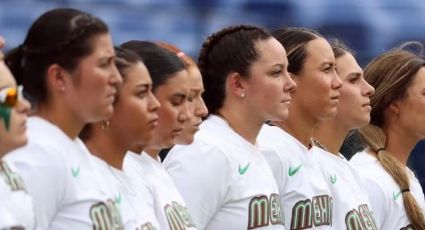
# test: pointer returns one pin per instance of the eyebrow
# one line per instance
(279, 65)
(181, 95)
(142, 85)
(328, 63)
(107, 58)
(357, 74)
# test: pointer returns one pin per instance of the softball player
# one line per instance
(305, 196)
(351, 207)
(222, 175)
(133, 122)
(69, 89)
(171, 87)
(397, 124)
(16, 208)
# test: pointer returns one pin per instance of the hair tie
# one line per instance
(380, 149)
(405, 190)
(180, 54)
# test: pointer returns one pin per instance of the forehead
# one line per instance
(102, 45)
(419, 80)
(270, 50)
(137, 73)
(195, 77)
(177, 81)
(347, 64)
(318, 52)
(6, 77)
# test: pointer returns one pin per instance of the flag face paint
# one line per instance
(5, 114)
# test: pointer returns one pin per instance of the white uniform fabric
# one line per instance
(61, 180)
(170, 208)
(16, 208)
(351, 207)
(304, 193)
(384, 194)
(225, 180)
(131, 199)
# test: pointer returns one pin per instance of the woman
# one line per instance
(197, 104)
(134, 119)
(171, 87)
(396, 126)
(246, 84)
(351, 207)
(301, 185)
(16, 208)
(66, 65)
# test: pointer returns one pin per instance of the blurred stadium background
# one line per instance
(368, 26)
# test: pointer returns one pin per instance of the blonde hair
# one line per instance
(391, 74)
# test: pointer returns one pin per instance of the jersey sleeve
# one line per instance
(43, 174)
(202, 174)
(377, 200)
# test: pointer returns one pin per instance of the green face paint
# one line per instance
(5, 114)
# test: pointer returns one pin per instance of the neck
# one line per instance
(299, 125)
(107, 147)
(244, 126)
(331, 135)
(400, 142)
(65, 120)
(153, 153)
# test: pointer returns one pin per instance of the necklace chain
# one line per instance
(320, 145)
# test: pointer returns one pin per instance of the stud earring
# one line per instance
(105, 125)
(242, 95)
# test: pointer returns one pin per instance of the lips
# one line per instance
(286, 100)
(177, 130)
(153, 122)
(336, 97)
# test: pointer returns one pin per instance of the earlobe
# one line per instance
(395, 107)
(55, 77)
(237, 85)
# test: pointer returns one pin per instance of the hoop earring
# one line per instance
(105, 125)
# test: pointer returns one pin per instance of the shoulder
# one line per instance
(195, 153)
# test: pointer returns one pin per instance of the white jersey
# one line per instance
(62, 181)
(384, 194)
(131, 199)
(225, 180)
(351, 207)
(304, 193)
(170, 208)
(16, 209)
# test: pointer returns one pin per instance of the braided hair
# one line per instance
(59, 36)
(231, 49)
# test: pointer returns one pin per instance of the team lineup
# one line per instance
(140, 136)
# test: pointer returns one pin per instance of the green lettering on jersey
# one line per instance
(146, 226)
(322, 210)
(353, 220)
(361, 219)
(258, 212)
(276, 210)
(106, 216)
(177, 216)
(307, 213)
(12, 179)
(302, 215)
